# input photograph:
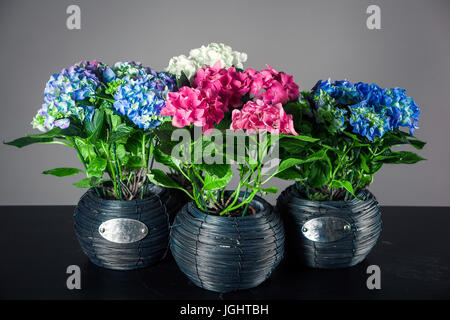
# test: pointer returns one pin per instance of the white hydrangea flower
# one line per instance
(213, 52)
(206, 56)
(180, 64)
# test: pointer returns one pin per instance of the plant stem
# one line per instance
(144, 163)
(143, 151)
(340, 164)
(246, 206)
(347, 194)
(117, 171)
(80, 156)
(307, 190)
(111, 169)
(153, 144)
(242, 203)
(194, 189)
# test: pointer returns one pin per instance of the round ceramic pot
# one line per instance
(329, 234)
(225, 254)
(125, 235)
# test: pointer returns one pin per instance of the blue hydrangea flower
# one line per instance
(370, 110)
(402, 110)
(139, 92)
(367, 122)
(328, 113)
(344, 92)
(61, 95)
(122, 69)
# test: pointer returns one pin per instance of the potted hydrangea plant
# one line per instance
(225, 239)
(332, 219)
(108, 115)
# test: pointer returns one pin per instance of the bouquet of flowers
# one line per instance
(357, 126)
(219, 97)
(107, 114)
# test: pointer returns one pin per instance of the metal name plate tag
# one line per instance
(326, 229)
(123, 230)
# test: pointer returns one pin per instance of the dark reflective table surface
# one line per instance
(38, 244)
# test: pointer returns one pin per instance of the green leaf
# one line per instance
(299, 110)
(399, 137)
(399, 157)
(216, 170)
(319, 174)
(95, 126)
(368, 165)
(199, 146)
(122, 131)
(26, 141)
(343, 184)
(293, 146)
(225, 123)
(365, 180)
(86, 149)
(353, 136)
(289, 174)
(300, 137)
(134, 143)
(63, 172)
(290, 162)
(160, 178)
(364, 165)
(165, 159)
(212, 183)
(85, 183)
(88, 182)
(134, 162)
(416, 143)
(115, 121)
(410, 137)
(270, 190)
(164, 136)
(121, 152)
(96, 167)
(74, 130)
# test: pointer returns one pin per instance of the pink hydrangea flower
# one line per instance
(259, 115)
(228, 84)
(193, 106)
(272, 86)
(186, 106)
(216, 90)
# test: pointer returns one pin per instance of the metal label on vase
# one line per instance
(326, 229)
(123, 230)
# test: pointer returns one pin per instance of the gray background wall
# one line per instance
(310, 39)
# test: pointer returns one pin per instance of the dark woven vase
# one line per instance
(329, 234)
(225, 254)
(125, 235)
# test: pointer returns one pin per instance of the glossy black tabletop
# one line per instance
(38, 244)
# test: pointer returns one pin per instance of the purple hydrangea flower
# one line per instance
(62, 96)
